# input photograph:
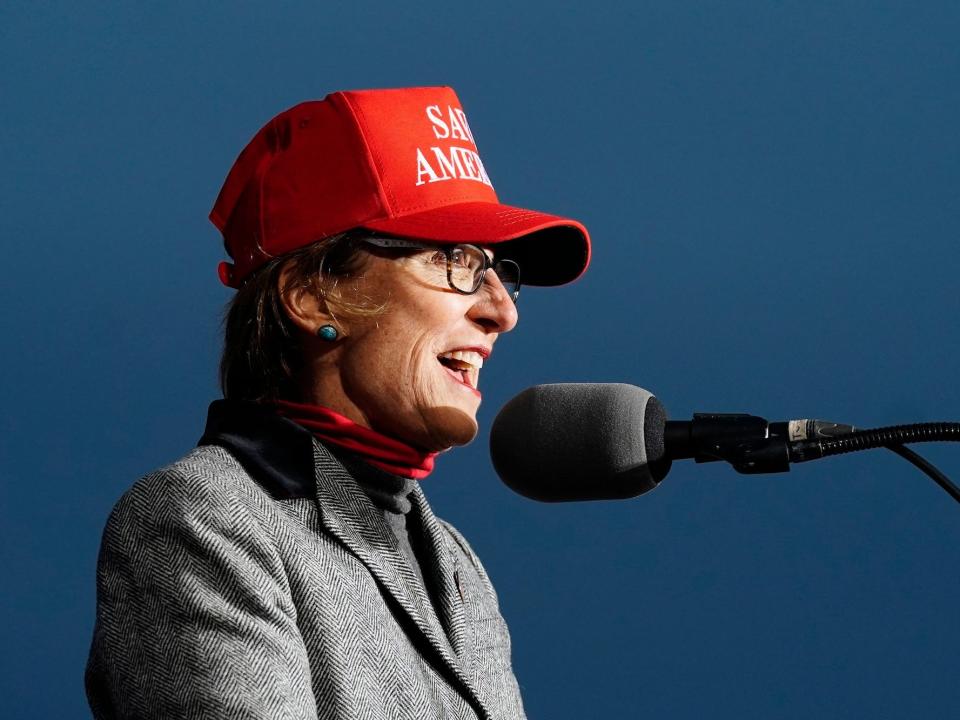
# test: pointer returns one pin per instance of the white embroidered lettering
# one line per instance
(462, 120)
(452, 163)
(456, 129)
(423, 168)
(484, 178)
(466, 159)
(450, 167)
(440, 128)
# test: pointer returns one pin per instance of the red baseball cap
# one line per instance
(398, 162)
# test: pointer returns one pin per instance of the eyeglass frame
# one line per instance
(394, 242)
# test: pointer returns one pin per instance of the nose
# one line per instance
(493, 308)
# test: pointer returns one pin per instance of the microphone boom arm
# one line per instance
(752, 446)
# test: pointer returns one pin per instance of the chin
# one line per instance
(449, 427)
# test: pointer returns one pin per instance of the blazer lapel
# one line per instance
(442, 568)
(347, 513)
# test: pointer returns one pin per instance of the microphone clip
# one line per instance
(748, 443)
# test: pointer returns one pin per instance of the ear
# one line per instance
(305, 308)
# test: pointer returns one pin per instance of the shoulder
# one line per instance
(207, 474)
(206, 487)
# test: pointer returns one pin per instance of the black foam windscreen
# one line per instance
(580, 441)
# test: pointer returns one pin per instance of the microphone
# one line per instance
(598, 441)
(604, 441)
(580, 441)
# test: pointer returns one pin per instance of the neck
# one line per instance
(383, 452)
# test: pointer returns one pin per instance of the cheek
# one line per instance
(406, 339)
(412, 376)
(395, 378)
(390, 368)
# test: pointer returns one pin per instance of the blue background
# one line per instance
(773, 190)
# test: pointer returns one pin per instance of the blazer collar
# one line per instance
(276, 452)
(290, 463)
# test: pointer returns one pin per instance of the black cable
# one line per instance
(926, 466)
(879, 437)
(893, 438)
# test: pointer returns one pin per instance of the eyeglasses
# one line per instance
(466, 265)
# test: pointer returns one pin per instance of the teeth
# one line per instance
(468, 357)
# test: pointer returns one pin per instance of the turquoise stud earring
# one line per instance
(328, 333)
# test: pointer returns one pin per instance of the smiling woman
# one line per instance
(386, 370)
(290, 566)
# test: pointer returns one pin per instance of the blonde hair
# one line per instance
(262, 353)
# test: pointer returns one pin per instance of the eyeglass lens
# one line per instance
(467, 265)
(509, 274)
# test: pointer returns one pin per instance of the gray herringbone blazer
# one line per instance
(255, 579)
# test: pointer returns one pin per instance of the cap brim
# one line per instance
(549, 249)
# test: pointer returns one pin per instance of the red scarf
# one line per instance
(378, 450)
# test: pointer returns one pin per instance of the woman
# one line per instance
(290, 566)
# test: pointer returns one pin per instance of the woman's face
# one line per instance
(413, 370)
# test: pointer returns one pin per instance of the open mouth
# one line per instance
(463, 365)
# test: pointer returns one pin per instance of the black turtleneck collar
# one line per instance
(278, 454)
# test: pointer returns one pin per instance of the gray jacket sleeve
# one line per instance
(194, 614)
